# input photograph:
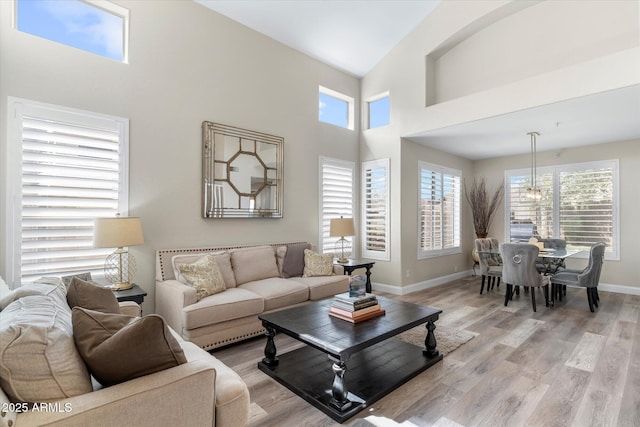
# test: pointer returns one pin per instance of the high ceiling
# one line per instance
(354, 35)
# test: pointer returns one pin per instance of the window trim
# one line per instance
(340, 163)
(367, 109)
(426, 254)
(17, 109)
(614, 254)
(342, 97)
(378, 255)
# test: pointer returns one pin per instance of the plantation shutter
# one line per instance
(531, 218)
(336, 189)
(72, 171)
(438, 210)
(375, 209)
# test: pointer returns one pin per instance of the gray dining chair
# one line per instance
(587, 278)
(519, 269)
(490, 262)
(552, 244)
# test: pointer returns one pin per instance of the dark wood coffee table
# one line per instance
(377, 362)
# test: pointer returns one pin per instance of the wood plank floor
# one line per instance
(561, 366)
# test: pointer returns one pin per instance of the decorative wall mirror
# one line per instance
(242, 173)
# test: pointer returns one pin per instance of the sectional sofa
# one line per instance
(258, 279)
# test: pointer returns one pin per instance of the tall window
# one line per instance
(336, 197)
(438, 210)
(378, 111)
(375, 209)
(335, 108)
(96, 26)
(579, 204)
(68, 167)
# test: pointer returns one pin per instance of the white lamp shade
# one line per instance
(117, 232)
(342, 227)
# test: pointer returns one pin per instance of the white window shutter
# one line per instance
(336, 197)
(375, 209)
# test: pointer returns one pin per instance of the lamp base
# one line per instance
(342, 260)
(122, 286)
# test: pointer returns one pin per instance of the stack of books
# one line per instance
(355, 309)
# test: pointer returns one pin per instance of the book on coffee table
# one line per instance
(357, 319)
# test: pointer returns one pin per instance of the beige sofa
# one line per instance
(36, 339)
(255, 283)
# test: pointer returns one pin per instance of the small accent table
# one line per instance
(353, 264)
(135, 294)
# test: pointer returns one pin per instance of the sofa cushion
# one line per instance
(316, 264)
(91, 296)
(43, 286)
(254, 263)
(203, 275)
(293, 264)
(117, 348)
(324, 286)
(278, 292)
(222, 258)
(281, 252)
(38, 357)
(231, 304)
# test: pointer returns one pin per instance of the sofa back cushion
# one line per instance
(38, 357)
(223, 259)
(254, 263)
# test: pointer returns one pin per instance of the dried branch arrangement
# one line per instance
(483, 208)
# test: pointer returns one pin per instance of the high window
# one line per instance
(335, 108)
(579, 204)
(438, 210)
(375, 209)
(378, 112)
(337, 198)
(67, 168)
(96, 26)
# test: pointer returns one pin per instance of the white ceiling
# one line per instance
(354, 35)
(351, 35)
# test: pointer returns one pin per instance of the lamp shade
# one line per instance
(117, 232)
(342, 227)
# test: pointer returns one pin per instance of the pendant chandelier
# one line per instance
(533, 193)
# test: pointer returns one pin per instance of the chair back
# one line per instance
(485, 259)
(554, 243)
(519, 264)
(590, 276)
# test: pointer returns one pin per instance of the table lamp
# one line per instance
(119, 232)
(342, 227)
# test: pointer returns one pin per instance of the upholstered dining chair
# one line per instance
(490, 262)
(519, 269)
(587, 278)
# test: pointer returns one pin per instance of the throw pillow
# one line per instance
(118, 348)
(222, 258)
(92, 296)
(293, 264)
(203, 275)
(317, 264)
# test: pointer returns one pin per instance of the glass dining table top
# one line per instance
(545, 253)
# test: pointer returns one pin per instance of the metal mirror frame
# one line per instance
(217, 172)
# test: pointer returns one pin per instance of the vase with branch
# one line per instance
(483, 206)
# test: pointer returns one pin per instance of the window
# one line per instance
(335, 108)
(378, 111)
(375, 209)
(70, 167)
(336, 197)
(96, 26)
(578, 205)
(438, 210)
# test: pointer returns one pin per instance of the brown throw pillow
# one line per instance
(91, 296)
(117, 348)
(293, 264)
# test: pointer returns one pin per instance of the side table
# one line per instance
(353, 264)
(135, 294)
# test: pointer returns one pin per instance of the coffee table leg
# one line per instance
(339, 388)
(270, 358)
(430, 341)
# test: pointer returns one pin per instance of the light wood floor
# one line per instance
(561, 366)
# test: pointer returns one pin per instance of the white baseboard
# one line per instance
(414, 287)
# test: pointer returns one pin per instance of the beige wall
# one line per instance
(624, 272)
(187, 64)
